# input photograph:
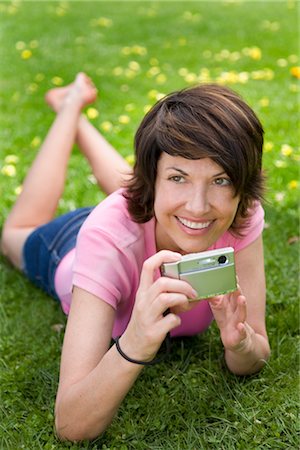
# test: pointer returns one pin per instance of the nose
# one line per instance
(198, 202)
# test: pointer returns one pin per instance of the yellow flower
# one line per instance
(36, 141)
(20, 45)
(92, 113)
(39, 77)
(26, 54)
(286, 150)
(11, 159)
(33, 44)
(9, 170)
(295, 71)
(106, 125)
(161, 78)
(155, 95)
(293, 184)
(147, 108)
(57, 81)
(264, 101)
(103, 22)
(117, 71)
(124, 119)
(130, 159)
(133, 65)
(268, 146)
(129, 107)
(18, 190)
(280, 164)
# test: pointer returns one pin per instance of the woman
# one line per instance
(196, 185)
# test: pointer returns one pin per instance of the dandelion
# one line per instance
(33, 44)
(295, 71)
(147, 108)
(153, 71)
(255, 53)
(161, 78)
(18, 190)
(286, 150)
(182, 41)
(293, 184)
(32, 87)
(293, 59)
(130, 159)
(279, 196)
(26, 54)
(92, 113)
(264, 102)
(92, 179)
(36, 141)
(183, 71)
(282, 62)
(280, 164)
(117, 71)
(155, 95)
(191, 77)
(20, 45)
(124, 119)
(11, 159)
(39, 77)
(134, 65)
(104, 22)
(106, 126)
(129, 107)
(268, 146)
(9, 170)
(57, 81)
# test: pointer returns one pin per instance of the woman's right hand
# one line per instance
(148, 325)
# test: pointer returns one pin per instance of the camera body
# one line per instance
(210, 273)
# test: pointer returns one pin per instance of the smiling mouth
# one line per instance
(193, 225)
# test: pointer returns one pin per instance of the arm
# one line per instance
(94, 378)
(241, 316)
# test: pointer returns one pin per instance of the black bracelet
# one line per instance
(142, 363)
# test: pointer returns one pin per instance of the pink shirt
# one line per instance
(109, 255)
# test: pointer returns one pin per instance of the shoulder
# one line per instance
(251, 229)
(110, 218)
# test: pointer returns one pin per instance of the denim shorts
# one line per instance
(46, 246)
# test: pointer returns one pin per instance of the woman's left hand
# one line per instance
(230, 313)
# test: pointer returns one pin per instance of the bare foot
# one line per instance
(82, 87)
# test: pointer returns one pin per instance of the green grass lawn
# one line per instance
(136, 51)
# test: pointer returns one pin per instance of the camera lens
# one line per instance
(222, 259)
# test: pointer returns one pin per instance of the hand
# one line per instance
(148, 325)
(230, 313)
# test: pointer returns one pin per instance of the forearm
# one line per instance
(87, 408)
(250, 356)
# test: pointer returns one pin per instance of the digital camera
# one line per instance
(210, 273)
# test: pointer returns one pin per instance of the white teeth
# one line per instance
(194, 225)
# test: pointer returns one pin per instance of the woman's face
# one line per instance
(194, 203)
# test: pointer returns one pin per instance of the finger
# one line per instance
(241, 309)
(166, 284)
(169, 322)
(242, 330)
(154, 263)
(166, 301)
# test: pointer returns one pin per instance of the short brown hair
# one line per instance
(206, 121)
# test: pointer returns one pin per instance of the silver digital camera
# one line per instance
(210, 273)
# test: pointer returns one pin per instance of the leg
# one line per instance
(45, 180)
(108, 166)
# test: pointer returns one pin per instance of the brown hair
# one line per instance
(206, 121)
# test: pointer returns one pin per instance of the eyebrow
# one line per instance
(185, 173)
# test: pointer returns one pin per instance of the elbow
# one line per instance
(80, 430)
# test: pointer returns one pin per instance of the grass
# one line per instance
(134, 51)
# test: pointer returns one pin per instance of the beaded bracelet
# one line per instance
(143, 363)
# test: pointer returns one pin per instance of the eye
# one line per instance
(177, 179)
(222, 182)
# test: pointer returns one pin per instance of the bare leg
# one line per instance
(45, 180)
(108, 166)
